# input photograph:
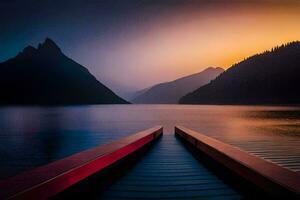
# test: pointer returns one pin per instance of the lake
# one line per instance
(34, 136)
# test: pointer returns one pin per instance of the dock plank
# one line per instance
(46, 181)
(273, 179)
(168, 171)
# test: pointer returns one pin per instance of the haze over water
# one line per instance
(34, 136)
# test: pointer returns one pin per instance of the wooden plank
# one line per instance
(271, 178)
(46, 181)
(168, 171)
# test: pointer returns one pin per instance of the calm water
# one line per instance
(34, 136)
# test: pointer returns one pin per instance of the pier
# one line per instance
(169, 171)
(156, 167)
(274, 180)
(49, 180)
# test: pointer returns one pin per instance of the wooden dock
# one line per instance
(169, 171)
(47, 181)
(274, 180)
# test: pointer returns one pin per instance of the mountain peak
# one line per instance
(29, 50)
(171, 92)
(45, 76)
(214, 68)
(271, 77)
(49, 45)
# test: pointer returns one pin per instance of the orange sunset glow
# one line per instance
(188, 39)
(132, 46)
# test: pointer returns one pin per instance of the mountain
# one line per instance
(135, 94)
(171, 92)
(271, 77)
(45, 76)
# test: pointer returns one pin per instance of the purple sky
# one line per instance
(133, 44)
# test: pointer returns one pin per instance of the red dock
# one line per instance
(167, 171)
(47, 181)
(274, 180)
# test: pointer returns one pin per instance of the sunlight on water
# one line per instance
(34, 136)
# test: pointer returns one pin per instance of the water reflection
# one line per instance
(33, 136)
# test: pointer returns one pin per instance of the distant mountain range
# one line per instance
(135, 94)
(171, 92)
(272, 77)
(45, 76)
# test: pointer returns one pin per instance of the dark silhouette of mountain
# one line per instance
(272, 77)
(45, 76)
(171, 92)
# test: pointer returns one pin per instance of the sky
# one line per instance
(132, 44)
